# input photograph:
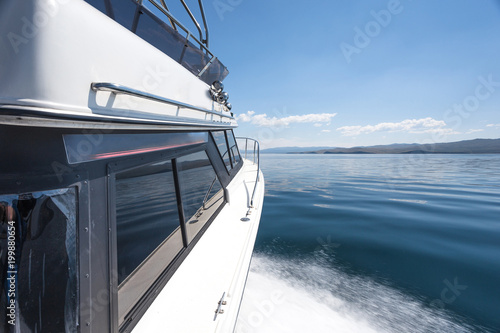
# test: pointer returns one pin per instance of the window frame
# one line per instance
(212, 137)
(192, 232)
(235, 145)
(235, 167)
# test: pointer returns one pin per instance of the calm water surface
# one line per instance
(377, 243)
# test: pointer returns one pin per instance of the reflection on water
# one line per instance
(405, 229)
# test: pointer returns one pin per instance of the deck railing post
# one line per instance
(256, 155)
(246, 147)
(254, 143)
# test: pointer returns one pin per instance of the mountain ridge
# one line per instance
(475, 146)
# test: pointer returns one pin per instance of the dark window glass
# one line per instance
(160, 35)
(98, 4)
(146, 213)
(220, 141)
(38, 261)
(235, 154)
(147, 230)
(216, 71)
(124, 12)
(194, 59)
(113, 145)
(200, 190)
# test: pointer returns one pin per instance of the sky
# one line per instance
(342, 73)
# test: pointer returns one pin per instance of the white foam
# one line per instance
(307, 296)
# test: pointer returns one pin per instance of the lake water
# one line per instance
(376, 243)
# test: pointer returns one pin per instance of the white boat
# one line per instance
(126, 202)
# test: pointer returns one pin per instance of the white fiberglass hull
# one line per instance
(53, 50)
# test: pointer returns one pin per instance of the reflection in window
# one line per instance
(38, 240)
(146, 213)
(200, 191)
(235, 154)
(220, 141)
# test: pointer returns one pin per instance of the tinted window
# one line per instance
(98, 4)
(200, 190)
(38, 261)
(235, 154)
(147, 230)
(124, 12)
(220, 141)
(146, 213)
(194, 59)
(160, 35)
(216, 71)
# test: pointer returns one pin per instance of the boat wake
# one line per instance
(295, 295)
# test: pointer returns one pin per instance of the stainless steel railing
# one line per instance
(119, 89)
(202, 42)
(256, 160)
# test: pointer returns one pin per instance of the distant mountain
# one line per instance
(477, 146)
(287, 150)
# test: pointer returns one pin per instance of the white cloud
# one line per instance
(474, 131)
(493, 125)
(325, 131)
(424, 125)
(246, 117)
(265, 121)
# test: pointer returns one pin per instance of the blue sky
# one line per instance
(348, 73)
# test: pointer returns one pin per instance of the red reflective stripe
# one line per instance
(140, 151)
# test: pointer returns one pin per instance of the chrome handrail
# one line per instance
(172, 23)
(119, 89)
(202, 10)
(256, 149)
(186, 7)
